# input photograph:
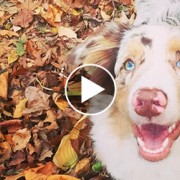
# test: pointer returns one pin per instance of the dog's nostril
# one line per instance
(140, 103)
(149, 102)
(156, 103)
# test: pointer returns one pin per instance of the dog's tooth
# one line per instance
(140, 141)
(170, 129)
(173, 126)
(153, 151)
(165, 143)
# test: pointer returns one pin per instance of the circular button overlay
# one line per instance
(90, 89)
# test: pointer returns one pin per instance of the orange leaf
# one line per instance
(4, 85)
(8, 33)
(61, 103)
(61, 177)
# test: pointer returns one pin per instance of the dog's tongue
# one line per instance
(153, 135)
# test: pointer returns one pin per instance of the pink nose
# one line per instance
(149, 102)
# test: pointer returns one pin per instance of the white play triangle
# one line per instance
(89, 89)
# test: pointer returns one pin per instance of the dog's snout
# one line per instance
(149, 102)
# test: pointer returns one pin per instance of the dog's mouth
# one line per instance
(155, 141)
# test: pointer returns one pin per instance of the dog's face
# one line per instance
(148, 65)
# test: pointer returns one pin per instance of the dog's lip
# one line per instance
(154, 140)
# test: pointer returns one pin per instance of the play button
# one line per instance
(85, 93)
(90, 89)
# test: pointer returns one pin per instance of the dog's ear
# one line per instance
(100, 48)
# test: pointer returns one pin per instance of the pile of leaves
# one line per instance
(41, 137)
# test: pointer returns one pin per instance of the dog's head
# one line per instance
(148, 66)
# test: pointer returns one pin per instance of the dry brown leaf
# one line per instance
(61, 103)
(74, 134)
(31, 175)
(4, 85)
(40, 173)
(65, 6)
(12, 125)
(52, 15)
(61, 177)
(19, 108)
(23, 18)
(17, 158)
(68, 32)
(46, 152)
(82, 166)
(76, 3)
(51, 118)
(15, 177)
(30, 4)
(5, 151)
(32, 49)
(37, 100)
(20, 139)
(8, 33)
(126, 2)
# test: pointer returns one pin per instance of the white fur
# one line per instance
(155, 11)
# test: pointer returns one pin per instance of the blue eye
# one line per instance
(129, 65)
(178, 64)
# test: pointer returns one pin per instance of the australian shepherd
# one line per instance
(137, 137)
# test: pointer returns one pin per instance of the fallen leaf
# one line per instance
(18, 112)
(12, 56)
(17, 158)
(82, 166)
(68, 32)
(32, 49)
(15, 177)
(30, 4)
(37, 100)
(48, 169)
(20, 139)
(61, 177)
(66, 157)
(11, 125)
(51, 118)
(23, 18)
(76, 3)
(40, 173)
(61, 103)
(8, 33)
(20, 49)
(5, 151)
(31, 175)
(63, 4)
(4, 84)
(46, 152)
(52, 15)
(126, 2)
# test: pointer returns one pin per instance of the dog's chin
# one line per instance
(154, 140)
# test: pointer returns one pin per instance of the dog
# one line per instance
(137, 137)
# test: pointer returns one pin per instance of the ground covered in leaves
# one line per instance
(41, 137)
